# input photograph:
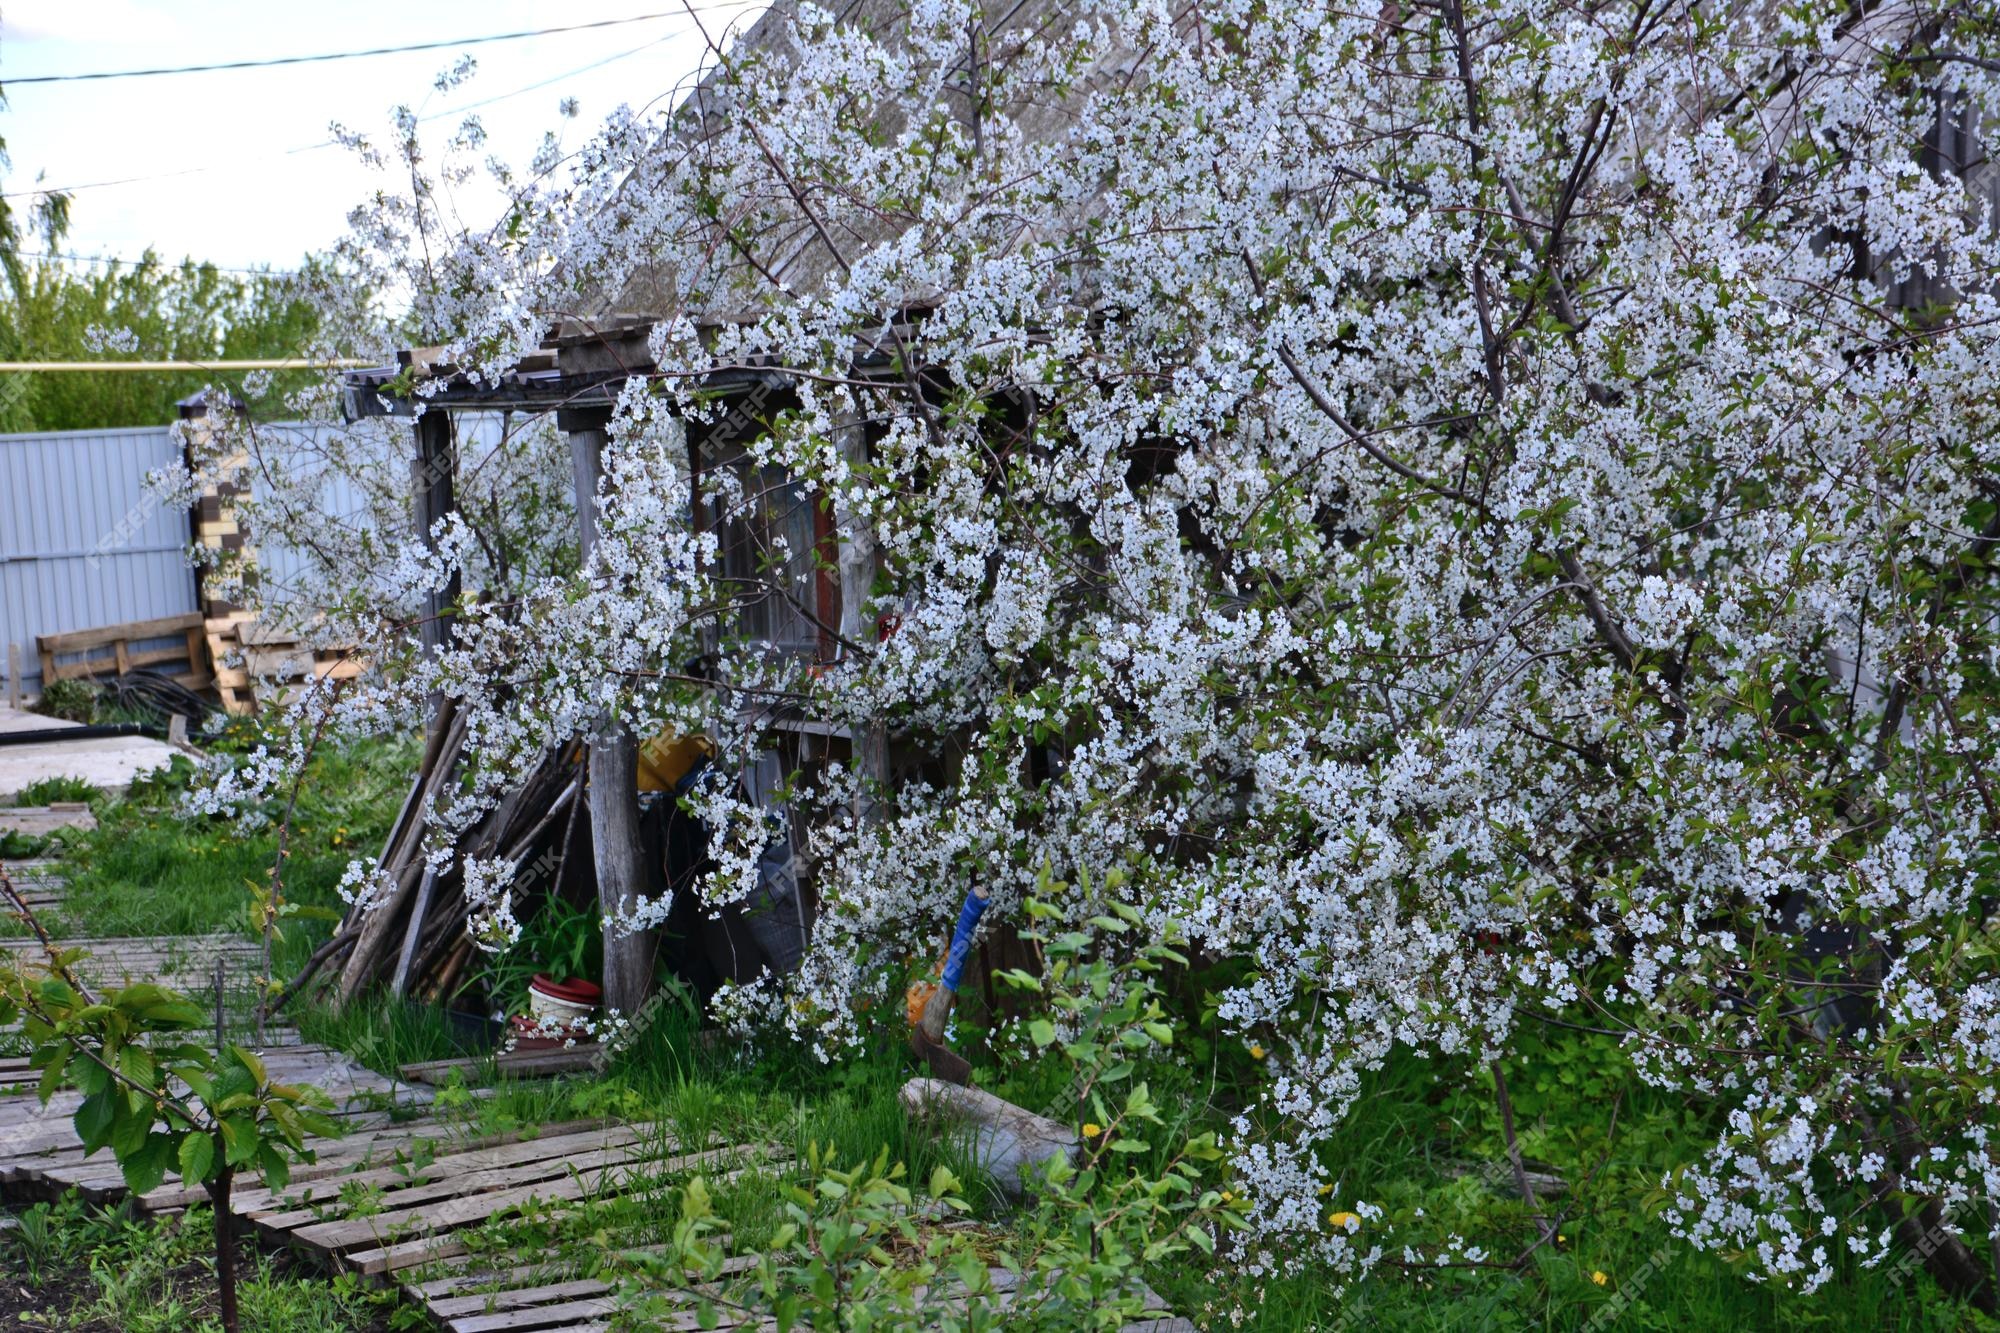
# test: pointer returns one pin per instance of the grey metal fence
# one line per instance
(83, 542)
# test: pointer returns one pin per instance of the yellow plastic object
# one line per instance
(666, 758)
(918, 997)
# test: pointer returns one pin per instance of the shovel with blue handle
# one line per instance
(930, 1002)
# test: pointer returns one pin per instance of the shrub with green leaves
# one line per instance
(154, 1094)
(859, 1249)
(52, 790)
(70, 700)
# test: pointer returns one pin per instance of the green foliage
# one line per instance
(53, 790)
(153, 1093)
(131, 1054)
(101, 1269)
(150, 869)
(854, 1247)
(53, 311)
(557, 938)
(72, 700)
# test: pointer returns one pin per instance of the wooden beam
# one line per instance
(159, 628)
(613, 767)
(436, 476)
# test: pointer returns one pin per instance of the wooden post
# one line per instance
(435, 470)
(14, 676)
(613, 764)
(858, 562)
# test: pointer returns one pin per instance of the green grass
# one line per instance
(93, 1269)
(1422, 1135)
(148, 869)
(52, 790)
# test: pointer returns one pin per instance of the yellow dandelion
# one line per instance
(1343, 1221)
(1599, 1276)
(1091, 1129)
(1256, 1051)
(1227, 1196)
(1325, 1190)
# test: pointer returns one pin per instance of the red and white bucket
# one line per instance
(562, 1003)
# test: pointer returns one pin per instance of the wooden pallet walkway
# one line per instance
(184, 962)
(40, 883)
(41, 1156)
(36, 821)
(473, 1300)
(418, 1216)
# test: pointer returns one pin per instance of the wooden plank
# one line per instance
(449, 1286)
(459, 1173)
(492, 1302)
(160, 627)
(374, 1133)
(401, 1254)
(443, 1204)
(510, 1064)
(547, 1316)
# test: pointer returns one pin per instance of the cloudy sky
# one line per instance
(233, 166)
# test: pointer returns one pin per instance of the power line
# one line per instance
(152, 367)
(356, 55)
(441, 115)
(158, 261)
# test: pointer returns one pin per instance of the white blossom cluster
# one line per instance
(1482, 507)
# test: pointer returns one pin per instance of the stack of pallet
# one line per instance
(258, 664)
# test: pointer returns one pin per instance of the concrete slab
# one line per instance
(107, 762)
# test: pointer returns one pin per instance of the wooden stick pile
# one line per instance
(414, 937)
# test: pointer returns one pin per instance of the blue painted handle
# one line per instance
(961, 939)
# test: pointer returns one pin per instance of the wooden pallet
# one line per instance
(551, 1063)
(267, 656)
(41, 1156)
(468, 1299)
(232, 683)
(39, 883)
(183, 962)
(36, 821)
(113, 650)
(419, 1213)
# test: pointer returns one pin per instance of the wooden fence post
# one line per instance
(613, 764)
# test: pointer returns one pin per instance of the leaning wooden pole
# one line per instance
(612, 766)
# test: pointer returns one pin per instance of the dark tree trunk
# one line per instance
(225, 1246)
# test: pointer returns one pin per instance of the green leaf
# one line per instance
(131, 1122)
(136, 1063)
(239, 1138)
(175, 1014)
(251, 1064)
(320, 1123)
(147, 1167)
(93, 1121)
(197, 1079)
(137, 999)
(92, 1077)
(55, 994)
(276, 1168)
(52, 1077)
(197, 1157)
(1042, 1031)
